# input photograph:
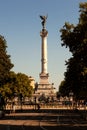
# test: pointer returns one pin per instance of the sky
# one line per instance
(20, 25)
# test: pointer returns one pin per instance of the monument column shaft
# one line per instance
(44, 54)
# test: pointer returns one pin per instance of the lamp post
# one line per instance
(35, 102)
(71, 97)
(20, 96)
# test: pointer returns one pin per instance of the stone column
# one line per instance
(43, 35)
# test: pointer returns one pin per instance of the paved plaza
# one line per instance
(44, 120)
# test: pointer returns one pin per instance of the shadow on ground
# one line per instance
(23, 116)
(14, 127)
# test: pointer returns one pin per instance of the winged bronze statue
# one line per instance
(43, 18)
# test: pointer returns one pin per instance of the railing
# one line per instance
(44, 106)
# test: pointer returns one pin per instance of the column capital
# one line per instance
(44, 33)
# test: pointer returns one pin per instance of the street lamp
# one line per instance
(21, 96)
(71, 97)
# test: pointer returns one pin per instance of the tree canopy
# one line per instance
(75, 38)
(18, 84)
(10, 82)
(24, 85)
(5, 62)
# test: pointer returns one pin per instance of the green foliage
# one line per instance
(62, 89)
(2, 102)
(24, 85)
(75, 38)
(10, 82)
(5, 63)
(17, 84)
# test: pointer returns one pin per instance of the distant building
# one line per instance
(32, 82)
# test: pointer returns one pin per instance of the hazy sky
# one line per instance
(20, 25)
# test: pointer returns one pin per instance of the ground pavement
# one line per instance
(44, 120)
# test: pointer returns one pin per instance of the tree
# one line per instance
(5, 62)
(2, 102)
(18, 84)
(75, 38)
(9, 88)
(23, 85)
(62, 88)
